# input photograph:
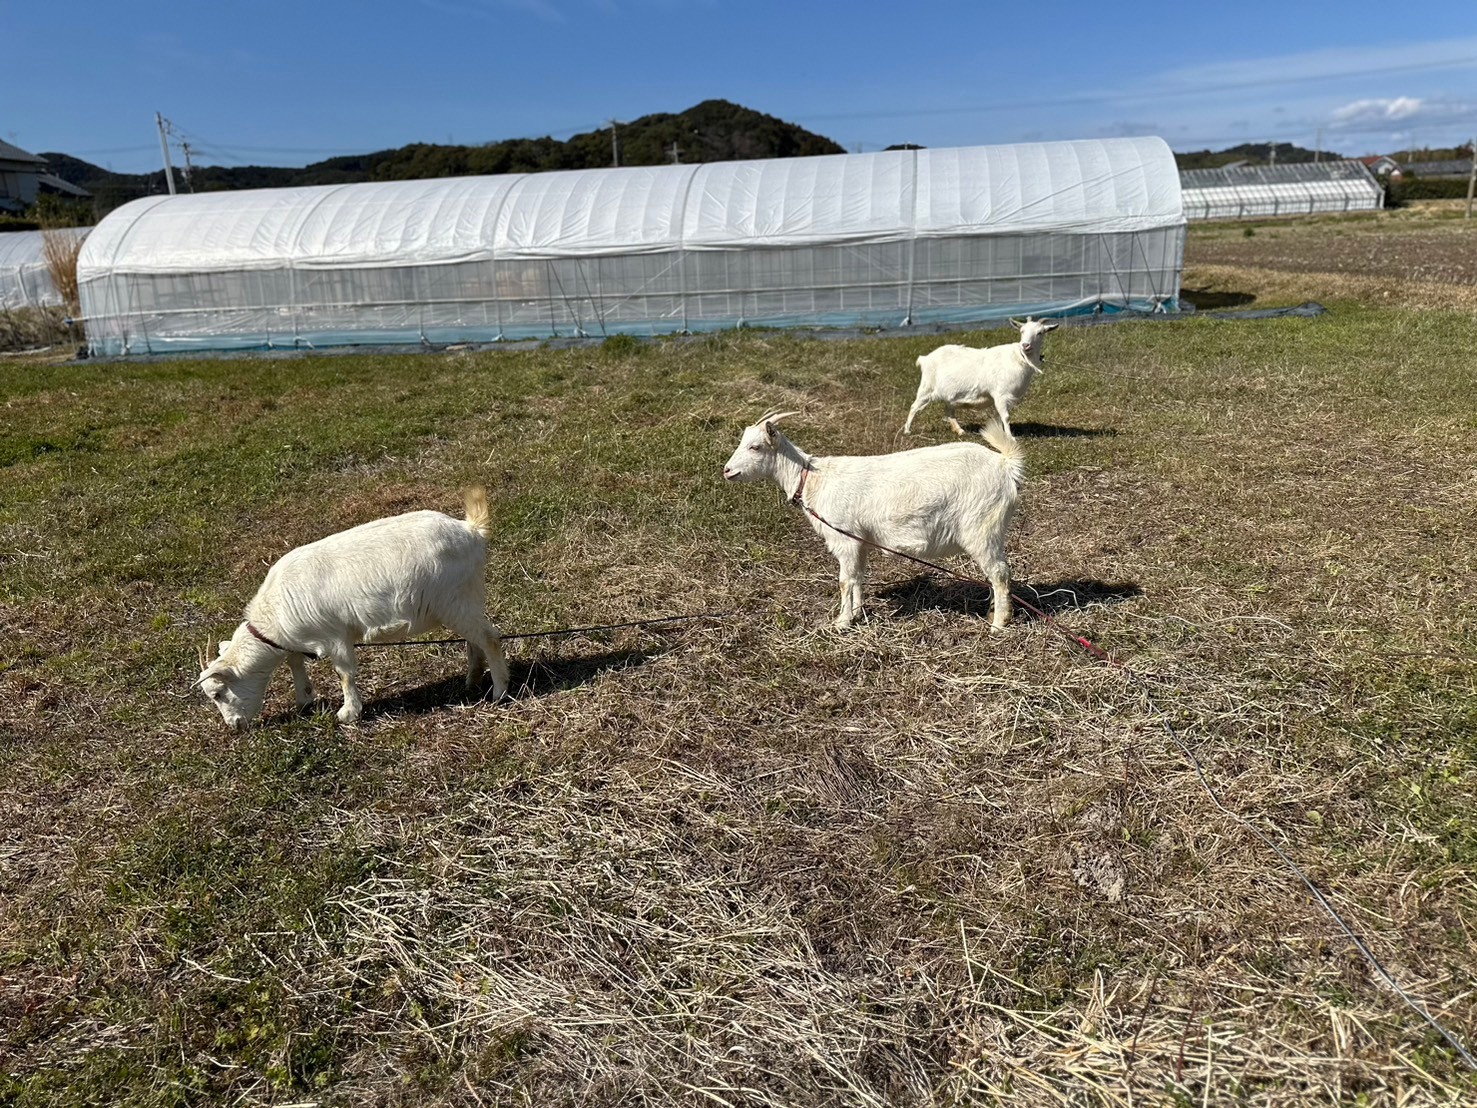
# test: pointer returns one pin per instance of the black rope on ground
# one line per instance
(561, 631)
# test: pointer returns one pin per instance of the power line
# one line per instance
(1145, 95)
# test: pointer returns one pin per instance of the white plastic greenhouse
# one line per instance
(867, 239)
(1301, 188)
(25, 280)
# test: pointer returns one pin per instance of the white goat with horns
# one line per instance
(972, 375)
(384, 580)
(933, 502)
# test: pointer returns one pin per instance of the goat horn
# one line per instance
(775, 417)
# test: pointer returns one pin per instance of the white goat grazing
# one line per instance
(971, 375)
(388, 579)
(932, 502)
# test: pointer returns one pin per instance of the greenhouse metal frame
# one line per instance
(886, 239)
(1301, 188)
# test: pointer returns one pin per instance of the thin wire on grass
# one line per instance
(1102, 655)
(1323, 902)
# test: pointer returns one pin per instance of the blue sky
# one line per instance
(282, 83)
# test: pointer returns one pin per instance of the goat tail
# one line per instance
(479, 515)
(1002, 440)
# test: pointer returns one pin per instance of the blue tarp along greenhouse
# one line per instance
(884, 239)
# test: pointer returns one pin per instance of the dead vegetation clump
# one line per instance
(61, 247)
(31, 329)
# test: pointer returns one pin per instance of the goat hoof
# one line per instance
(349, 715)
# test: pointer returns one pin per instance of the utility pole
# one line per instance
(676, 153)
(1472, 179)
(615, 148)
(1318, 147)
(1272, 153)
(189, 169)
(164, 145)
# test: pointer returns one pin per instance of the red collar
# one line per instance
(798, 498)
(275, 646)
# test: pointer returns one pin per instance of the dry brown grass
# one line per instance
(60, 247)
(1276, 288)
(755, 862)
(1419, 259)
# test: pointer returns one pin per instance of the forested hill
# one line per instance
(713, 131)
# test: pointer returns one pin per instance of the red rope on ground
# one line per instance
(1138, 679)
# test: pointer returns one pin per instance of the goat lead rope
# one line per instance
(559, 631)
(1143, 685)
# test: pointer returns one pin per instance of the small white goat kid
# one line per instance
(388, 579)
(932, 502)
(971, 375)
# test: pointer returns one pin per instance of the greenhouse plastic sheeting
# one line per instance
(1301, 188)
(865, 239)
(25, 279)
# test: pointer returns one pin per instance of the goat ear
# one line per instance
(224, 646)
(1050, 326)
(771, 419)
(1016, 324)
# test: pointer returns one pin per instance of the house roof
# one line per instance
(66, 188)
(9, 153)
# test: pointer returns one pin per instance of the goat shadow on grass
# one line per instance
(1207, 300)
(931, 593)
(1028, 429)
(526, 679)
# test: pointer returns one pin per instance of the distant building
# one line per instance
(1382, 165)
(1292, 188)
(23, 177)
(1452, 167)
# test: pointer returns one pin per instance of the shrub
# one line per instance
(621, 346)
(1398, 193)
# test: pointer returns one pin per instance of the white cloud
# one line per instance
(1382, 114)
(1378, 110)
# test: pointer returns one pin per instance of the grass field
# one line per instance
(754, 862)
